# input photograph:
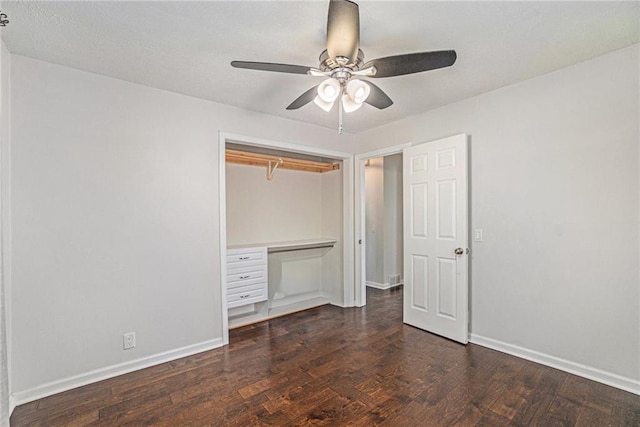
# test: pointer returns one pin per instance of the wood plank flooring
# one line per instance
(333, 366)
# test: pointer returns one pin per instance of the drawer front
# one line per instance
(246, 288)
(243, 283)
(252, 256)
(257, 273)
(247, 297)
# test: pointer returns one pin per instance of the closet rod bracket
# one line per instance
(271, 168)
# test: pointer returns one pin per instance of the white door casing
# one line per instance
(435, 225)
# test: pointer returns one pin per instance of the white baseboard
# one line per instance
(90, 377)
(279, 311)
(383, 286)
(604, 377)
(293, 299)
(12, 404)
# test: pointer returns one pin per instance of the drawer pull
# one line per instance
(242, 258)
(245, 296)
(245, 277)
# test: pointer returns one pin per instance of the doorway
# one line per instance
(383, 251)
(372, 164)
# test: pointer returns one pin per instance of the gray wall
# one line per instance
(5, 290)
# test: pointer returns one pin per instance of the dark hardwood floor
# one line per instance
(333, 366)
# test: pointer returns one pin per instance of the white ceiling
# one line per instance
(186, 47)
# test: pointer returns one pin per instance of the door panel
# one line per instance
(419, 210)
(419, 163)
(446, 159)
(435, 225)
(446, 201)
(420, 280)
(447, 287)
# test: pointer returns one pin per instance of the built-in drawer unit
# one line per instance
(246, 276)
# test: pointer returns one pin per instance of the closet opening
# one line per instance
(287, 232)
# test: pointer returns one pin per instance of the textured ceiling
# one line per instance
(186, 47)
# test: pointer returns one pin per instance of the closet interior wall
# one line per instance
(292, 206)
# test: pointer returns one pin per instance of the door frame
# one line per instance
(349, 288)
(360, 219)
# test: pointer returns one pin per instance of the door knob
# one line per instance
(459, 251)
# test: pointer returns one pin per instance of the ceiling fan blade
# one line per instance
(412, 63)
(304, 99)
(269, 66)
(343, 29)
(378, 98)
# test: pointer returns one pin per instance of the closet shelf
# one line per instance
(257, 159)
(293, 245)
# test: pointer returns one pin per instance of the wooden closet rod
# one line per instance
(256, 159)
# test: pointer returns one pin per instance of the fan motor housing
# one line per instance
(329, 64)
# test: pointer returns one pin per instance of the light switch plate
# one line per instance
(477, 235)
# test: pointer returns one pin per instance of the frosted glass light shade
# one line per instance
(329, 90)
(358, 91)
(348, 104)
(326, 106)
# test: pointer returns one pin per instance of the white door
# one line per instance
(435, 237)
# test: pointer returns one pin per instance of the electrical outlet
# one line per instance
(129, 340)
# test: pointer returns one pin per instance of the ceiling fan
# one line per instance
(343, 63)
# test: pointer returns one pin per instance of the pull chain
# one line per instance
(340, 111)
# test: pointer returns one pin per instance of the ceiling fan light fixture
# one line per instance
(326, 106)
(329, 90)
(342, 63)
(358, 91)
(349, 105)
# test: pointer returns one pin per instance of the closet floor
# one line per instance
(333, 366)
